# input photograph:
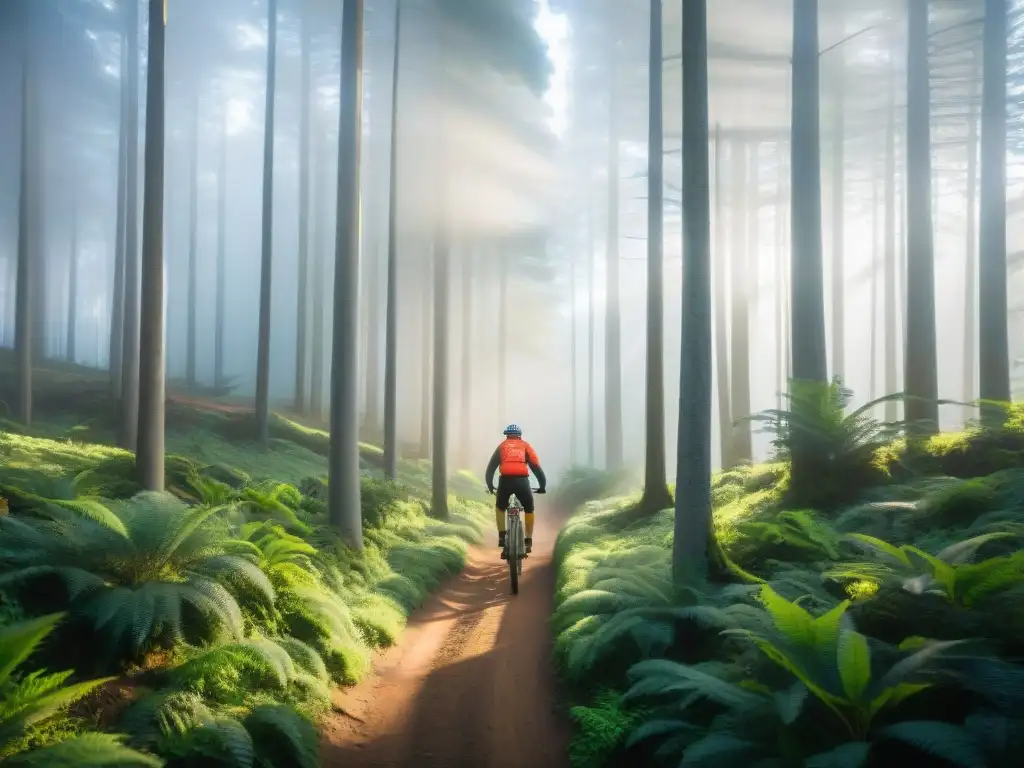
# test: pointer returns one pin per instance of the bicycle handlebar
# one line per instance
(490, 491)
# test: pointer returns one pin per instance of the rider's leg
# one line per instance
(501, 499)
(527, 500)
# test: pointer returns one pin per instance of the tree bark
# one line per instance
(655, 494)
(193, 239)
(719, 269)
(130, 332)
(116, 348)
(391, 317)
(808, 326)
(466, 407)
(891, 300)
(693, 532)
(971, 248)
(301, 305)
(439, 450)
(25, 291)
(741, 270)
(873, 327)
(426, 360)
(920, 368)
(221, 309)
(993, 347)
(266, 262)
(150, 457)
(782, 376)
(319, 283)
(612, 334)
(344, 495)
(838, 222)
(72, 327)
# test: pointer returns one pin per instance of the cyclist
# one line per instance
(515, 458)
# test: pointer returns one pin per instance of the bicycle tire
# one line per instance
(513, 554)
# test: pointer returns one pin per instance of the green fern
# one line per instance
(603, 729)
(134, 587)
(35, 697)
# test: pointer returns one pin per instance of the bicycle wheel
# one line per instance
(521, 546)
(513, 552)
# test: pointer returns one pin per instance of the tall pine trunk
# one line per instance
(890, 299)
(391, 309)
(971, 247)
(655, 495)
(150, 456)
(302, 300)
(692, 530)
(993, 347)
(220, 308)
(266, 260)
(130, 331)
(116, 342)
(466, 388)
(319, 281)
(838, 222)
(426, 359)
(782, 372)
(740, 285)
(920, 369)
(876, 253)
(193, 239)
(591, 337)
(439, 442)
(72, 327)
(344, 494)
(719, 269)
(25, 291)
(613, 330)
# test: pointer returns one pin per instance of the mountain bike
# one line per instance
(515, 542)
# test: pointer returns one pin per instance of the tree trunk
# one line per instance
(391, 310)
(920, 369)
(694, 535)
(782, 375)
(426, 360)
(301, 305)
(72, 328)
(890, 299)
(193, 240)
(319, 283)
(993, 348)
(719, 269)
(970, 364)
(838, 223)
(150, 457)
(809, 362)
(117, 297)
(344, 495)
(502, 331)
(439, 450)
(873, 327)
(655, 495)
(612, 334)
(371, 422)
(741, 271)
(573, 365)
(266, 261)
(591, 333)
(466, 407)
(222, 195)
(25, 292)
(130, 332)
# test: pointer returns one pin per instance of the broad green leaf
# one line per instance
(854, 660)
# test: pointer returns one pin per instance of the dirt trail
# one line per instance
(470, 683)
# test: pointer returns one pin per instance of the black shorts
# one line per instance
(520, 486)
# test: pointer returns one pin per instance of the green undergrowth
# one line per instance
(888, 626)
(216, 616)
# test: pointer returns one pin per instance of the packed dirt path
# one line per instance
(470, 684)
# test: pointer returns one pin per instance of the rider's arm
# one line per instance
(534, 464)
(492, 467)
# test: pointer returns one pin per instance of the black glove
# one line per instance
(490, 490)
(542, 490)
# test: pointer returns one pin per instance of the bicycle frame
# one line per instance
(515, 542)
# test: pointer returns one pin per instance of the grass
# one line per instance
(241, 674)
(918, 570)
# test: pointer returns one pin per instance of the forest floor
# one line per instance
(470, 682)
